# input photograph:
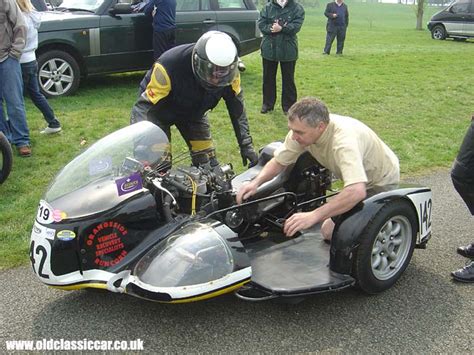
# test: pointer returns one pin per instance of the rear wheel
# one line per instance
(438, 32)
(58, 73)
(6, 158)
(386, 247)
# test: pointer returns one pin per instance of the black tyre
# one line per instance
(386, 247)
(58, 73)
(438, 32)
(6, 158)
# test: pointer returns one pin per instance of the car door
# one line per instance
(193, 18)
(125, 40)
(238, 18)
(459, 15)
(469, 24)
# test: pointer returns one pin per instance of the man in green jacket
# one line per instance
(279, 22)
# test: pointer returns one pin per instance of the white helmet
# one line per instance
(215, 60)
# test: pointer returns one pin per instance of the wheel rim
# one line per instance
(56, 76)
(391, 247)
(437, 34)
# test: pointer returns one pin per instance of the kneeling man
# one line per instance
(345, 146)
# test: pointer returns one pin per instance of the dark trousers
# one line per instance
(462, 173)
(340, 33)
(196, 134)
(162, 41)
(31, 86)
(288, 87)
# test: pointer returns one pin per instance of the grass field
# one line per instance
(415, 92)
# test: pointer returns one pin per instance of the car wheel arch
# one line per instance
(59, 71)
(69, 49)
(439, 26)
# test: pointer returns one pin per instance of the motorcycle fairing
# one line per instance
(191, 293)
(201, 260)
(130, 278)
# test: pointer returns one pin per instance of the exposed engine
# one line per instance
(191, 189)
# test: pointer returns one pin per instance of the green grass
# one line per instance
(413, 91)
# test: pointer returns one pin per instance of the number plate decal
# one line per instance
(423, 203)
(45, 213)
(40, 251)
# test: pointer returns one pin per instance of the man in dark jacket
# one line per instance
(164, 25)
(462, 175)
(279, 22)
(338, 20)
(185, 83)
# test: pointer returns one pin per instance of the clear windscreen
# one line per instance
(124, 153)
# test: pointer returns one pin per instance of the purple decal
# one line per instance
(129, 184)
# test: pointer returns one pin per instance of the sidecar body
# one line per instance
(113, 219)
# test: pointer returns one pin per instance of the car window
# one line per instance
(231, 4)
(461, 7)
(90, 5)
(192, 5)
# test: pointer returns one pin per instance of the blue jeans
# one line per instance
(31, 86)
(11, 92)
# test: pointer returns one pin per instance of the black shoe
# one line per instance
(466, 274)
(324, 53)
(265, 109)
(467, 251)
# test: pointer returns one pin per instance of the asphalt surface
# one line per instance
(425, 312)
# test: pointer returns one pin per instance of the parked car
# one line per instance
(455, 21)
(89, 37)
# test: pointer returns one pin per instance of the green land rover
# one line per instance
(89, 37)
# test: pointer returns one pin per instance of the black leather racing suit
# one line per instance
(170, 94)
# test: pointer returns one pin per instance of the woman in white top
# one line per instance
(29, 67)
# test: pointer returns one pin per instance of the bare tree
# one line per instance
(420, 9)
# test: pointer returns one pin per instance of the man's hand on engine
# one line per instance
(248, 153)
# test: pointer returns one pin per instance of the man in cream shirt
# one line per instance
(346, 146)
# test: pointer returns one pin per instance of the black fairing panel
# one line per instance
(104, 240)
(350, 226)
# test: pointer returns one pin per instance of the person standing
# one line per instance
(164, 25)
(338, 20)
(462, 176)
(29, 67)
(188, 81)
(12, 42)
(279, 22)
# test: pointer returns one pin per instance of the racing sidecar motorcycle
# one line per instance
(120, 217)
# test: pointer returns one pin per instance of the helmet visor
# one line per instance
(214, 75)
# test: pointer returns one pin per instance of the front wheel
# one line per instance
(6, 158)
(386, 247)
(58, 73)
(438, 32)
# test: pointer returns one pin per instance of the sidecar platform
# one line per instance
(293, 268)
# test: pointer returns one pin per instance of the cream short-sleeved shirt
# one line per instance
(351, 150)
